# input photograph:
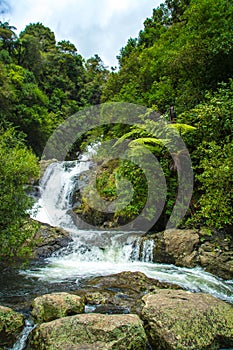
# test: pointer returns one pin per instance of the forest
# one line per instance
(182, 57)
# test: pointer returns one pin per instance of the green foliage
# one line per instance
(214, 207)
(43, 82)
(212, 158)
(182, 57)
(18, 168)
(184, 49)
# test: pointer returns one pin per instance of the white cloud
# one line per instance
(101, 27)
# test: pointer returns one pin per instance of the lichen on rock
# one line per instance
(49, 307)
(91, 331)
(177, 319)
(11, 324)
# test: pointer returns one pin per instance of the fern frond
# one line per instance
(136, 132)
(181, 128)
(149, 141)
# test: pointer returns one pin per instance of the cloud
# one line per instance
(4, 7)
(95, 27)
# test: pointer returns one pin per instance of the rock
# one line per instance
(11, 324)
(189, 248)
(176, 319)
(49, 307)
(123, 290)
(216, 260)
(50, 239)
(181, 245)
(90, 331)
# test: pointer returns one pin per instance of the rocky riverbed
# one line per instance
(128, 310)
(124, 311)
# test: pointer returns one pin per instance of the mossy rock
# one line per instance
(11, 324)
(49, 307)
(49, 239)
(90, 331)
(180, 320)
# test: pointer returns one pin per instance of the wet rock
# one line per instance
(176, 319)
(11, 324)
(216, 260)
(176, 247)
(181, 245)
(50, 239)
(90, 331)
(49, 307)
(122, 290)
(189, 248)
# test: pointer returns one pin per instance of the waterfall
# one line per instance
(148, 250)
(96, 252)
(57, 187)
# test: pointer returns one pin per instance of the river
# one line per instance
(92, 252)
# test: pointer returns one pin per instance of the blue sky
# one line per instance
(95, 26)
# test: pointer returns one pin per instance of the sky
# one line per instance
(100, 27)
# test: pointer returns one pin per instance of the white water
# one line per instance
(23, 336)
(95, 253)
(57, 186)
(123, 252)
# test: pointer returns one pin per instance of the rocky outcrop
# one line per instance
(50, 239)
(176, 319)
(128, 310)
(181, 245)
(90, 332)
(189, 248)
(216, 256)
(49, 307)
(11, 324)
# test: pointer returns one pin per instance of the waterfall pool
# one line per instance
(83, 259)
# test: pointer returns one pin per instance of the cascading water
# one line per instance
(22, 339)
(94, 253)
(57, 186)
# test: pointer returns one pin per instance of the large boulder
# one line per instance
(90, 331)
(48, 307)
(11, 324)
(176, 247)
(176, 319)
(181, 244)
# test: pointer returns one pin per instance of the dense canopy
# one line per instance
(182, 58)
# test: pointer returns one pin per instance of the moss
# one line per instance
(91, 331)
(52, 306)
(11, 324)
(181, 320)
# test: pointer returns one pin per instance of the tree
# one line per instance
(17, 169)
(65, 46)
(96, 77)
(45, 36)
(7, 36)
(212, 156)
(126, 51)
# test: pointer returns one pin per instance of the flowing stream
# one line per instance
(95, 252)
(92, 252)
